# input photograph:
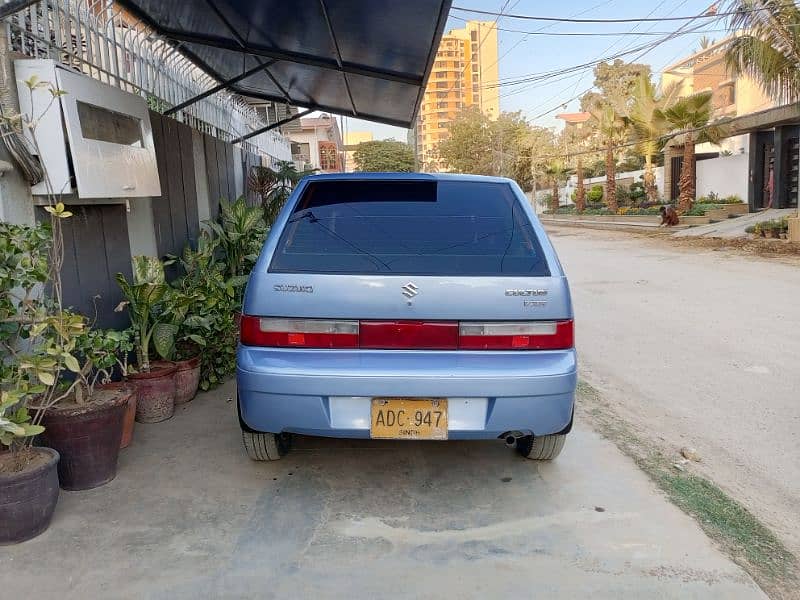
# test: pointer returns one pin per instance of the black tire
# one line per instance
(543, 447)
(266, 446)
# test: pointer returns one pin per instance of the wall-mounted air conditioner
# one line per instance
(94, 140)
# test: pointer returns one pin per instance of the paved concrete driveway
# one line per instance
(699, 348)
(189, 516)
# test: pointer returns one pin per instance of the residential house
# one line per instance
(763, 138)
(317, 144)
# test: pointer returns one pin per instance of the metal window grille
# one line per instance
(98, 38)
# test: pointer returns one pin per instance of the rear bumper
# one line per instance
(328, 392)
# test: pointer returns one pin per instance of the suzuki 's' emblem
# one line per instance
(410, 290)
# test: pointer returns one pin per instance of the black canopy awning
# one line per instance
(362, 58)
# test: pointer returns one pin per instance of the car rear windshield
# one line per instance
(409, 227)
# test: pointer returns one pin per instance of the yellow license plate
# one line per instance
(409, 419)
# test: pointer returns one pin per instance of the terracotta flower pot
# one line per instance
(88, 438)
(187, 379)
(129, 419)
(156, 389)
(28, 498)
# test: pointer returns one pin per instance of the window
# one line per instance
(473, 35)
(301, 151)
(409, 227)
(105, 125)
(328, 156)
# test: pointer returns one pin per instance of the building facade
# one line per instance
(351, 140)
(769, 135)
(317, 144)
(465, 74)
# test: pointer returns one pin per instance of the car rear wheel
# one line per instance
(266, 446)
(543, 447)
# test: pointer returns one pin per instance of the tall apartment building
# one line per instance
(465, 74)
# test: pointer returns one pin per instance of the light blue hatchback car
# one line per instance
(407, 306)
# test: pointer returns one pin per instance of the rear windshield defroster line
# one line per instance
(409, 228)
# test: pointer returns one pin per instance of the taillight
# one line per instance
(530, 335)
(298, 333)
(406, 335)
(417, 335)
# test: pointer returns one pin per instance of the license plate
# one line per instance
(409, 419)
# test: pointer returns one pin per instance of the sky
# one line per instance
(523, 55)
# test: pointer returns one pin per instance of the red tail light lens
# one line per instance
(417, 335)
(531, 335)
(298, 333)
(406, 335)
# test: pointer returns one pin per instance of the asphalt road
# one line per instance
(697, 348)
(189, 516)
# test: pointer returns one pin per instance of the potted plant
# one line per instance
(121, 342)
(205, 272)
(240, 233)
(84, 419)
(155, 383)
(28, 475)
(182, 307)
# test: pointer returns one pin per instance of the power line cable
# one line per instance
(712, 13)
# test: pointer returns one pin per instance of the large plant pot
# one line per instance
(28, 499)
(156, 401)
(187, 379)
(129, 420)
(88, 438)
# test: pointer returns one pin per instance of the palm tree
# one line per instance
(692, 115)
(274, 186)
(705, 42)
(557, 170)
(649, 126)
(613, 130)
(769, 49)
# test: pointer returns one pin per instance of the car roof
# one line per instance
(405, 176)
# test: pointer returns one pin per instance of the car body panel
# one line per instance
(328, 392)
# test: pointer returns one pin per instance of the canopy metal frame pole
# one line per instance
(338, 55)
(297, 57)
(247, 136)
(217, 88)
(243, 45)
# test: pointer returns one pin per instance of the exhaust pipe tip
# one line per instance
(511, 441)
(512, 437)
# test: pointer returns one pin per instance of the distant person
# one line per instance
(669, 217)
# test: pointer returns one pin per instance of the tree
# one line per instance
(274, 186)
(557, 171)
(614, 82)
(504, 147)
(769, 50)
(649, 125)
(692, 115)
(612, 130)
(384, 155)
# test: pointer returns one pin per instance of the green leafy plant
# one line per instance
(240, 232)
(143, 295)
(205, 273)
(274, 186)
(595, 194)
(16, 424)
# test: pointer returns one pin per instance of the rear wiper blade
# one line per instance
(306, 215)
